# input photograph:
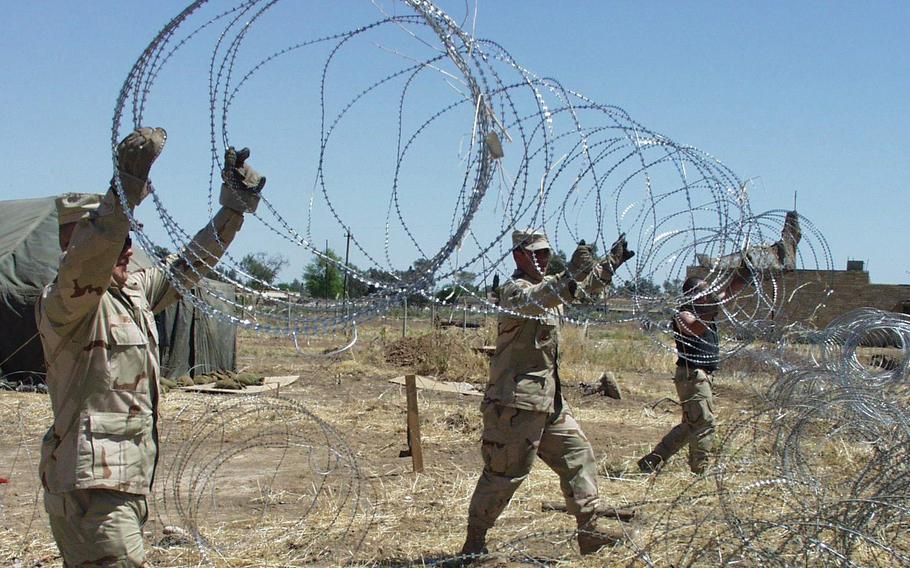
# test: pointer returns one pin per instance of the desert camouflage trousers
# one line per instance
(98, 528)
(693, 386)
(511, 439)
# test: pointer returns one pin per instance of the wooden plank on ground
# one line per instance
(429, 383)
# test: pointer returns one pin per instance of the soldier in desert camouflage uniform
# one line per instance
(524, 412)
(97, 327)
(698, 345)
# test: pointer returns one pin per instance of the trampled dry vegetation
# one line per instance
(254, 504)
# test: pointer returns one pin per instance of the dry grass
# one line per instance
(415, 517)
(447, 354)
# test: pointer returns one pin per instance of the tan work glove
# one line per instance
(242, 184)
(581, 263)
(619, 254)
(135, 155)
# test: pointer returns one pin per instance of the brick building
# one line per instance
(838, 291)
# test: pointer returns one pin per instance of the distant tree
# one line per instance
(323, 278)
(557, 263)
(420, 270)
(293, 286)
(357, 288)
(672, 287)
(421, 266)
(378, 276)
(160, 251)
(494, 288)
(644, 286)
(465, 278)
(262, 268)
(449, 294)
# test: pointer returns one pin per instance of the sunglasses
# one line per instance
(127, 242)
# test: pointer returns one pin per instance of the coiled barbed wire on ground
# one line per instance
(266, 467)
(815, 473)
(824, 452)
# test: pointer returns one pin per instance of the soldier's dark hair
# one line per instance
(691, 287)
(692, 284)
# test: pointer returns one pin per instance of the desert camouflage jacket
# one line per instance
(101, 350)
(524, 370)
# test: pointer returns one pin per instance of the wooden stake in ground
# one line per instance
(410, 386)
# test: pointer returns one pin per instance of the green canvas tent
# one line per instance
(191, 342)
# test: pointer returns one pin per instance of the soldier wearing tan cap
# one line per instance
(97, 327)
(524, 412)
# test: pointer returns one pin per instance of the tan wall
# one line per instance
(801, 291)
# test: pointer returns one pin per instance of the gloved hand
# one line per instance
(581, 263)
(242, 184)
(135, 156)
(619, 253)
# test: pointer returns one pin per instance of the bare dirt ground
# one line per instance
(258, 507)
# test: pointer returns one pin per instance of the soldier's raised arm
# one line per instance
(94, 232)
(602, 274)
(534, 298)
(583, 270)
(240, 193)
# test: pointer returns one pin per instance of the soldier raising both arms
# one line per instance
(698, 346)
(524, 412)
(97, 327)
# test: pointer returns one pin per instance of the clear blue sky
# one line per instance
(804, 96)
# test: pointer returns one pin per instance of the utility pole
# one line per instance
(404, 319)
(325, 273)
(347, 254)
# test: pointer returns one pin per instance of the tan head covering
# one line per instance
(73, 207)
(529, 239)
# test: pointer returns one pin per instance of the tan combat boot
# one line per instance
(476, 543)
(592, 537)
(651, 463)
